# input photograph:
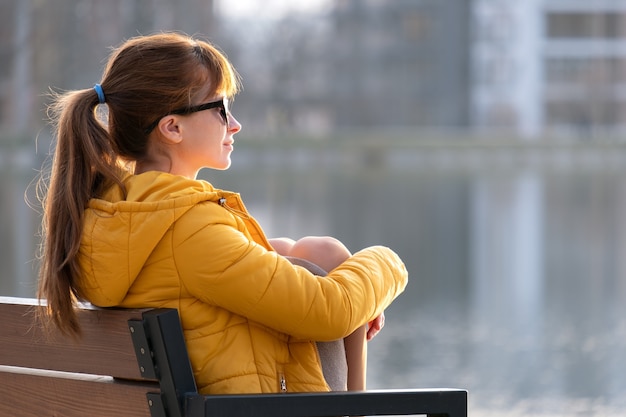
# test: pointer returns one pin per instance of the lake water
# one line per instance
(517, 274)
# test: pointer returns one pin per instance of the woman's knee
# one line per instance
(325, 251)
(282, 245)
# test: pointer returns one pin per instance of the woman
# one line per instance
(127, 224)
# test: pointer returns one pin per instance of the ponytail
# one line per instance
(83, 164)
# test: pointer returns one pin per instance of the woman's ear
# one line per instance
(170, 129)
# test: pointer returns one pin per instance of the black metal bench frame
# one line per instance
(162, 354)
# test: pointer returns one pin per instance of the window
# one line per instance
(586, 25)
(585, 70)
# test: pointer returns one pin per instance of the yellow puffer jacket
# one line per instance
(248, 314)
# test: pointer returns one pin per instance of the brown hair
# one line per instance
(145, 78)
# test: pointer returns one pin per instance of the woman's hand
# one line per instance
(375, 326)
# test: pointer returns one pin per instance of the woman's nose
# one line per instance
(233, 124)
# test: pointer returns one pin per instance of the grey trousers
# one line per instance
(334, 365)
(332, 354)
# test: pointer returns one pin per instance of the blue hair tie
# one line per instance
(100, 93)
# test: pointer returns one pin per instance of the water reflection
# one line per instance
(517, 279)
(18, 225)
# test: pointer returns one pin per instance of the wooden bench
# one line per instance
(134, 363)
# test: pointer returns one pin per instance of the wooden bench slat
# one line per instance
(105, 337)
(35, 395)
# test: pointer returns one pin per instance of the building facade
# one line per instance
(401, 63)
(529, 68)
(549, 66)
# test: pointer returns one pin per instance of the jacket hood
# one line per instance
(120, 233)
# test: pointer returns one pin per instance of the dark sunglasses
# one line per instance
(222, 104)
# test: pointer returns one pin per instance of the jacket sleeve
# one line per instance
(220, 265)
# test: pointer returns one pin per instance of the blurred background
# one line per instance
(483, 140)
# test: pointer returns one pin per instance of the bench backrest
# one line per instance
(134, 363)
(49, 374)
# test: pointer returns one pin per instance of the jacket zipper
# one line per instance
(242, 214)
(282, 382)
(251, 222)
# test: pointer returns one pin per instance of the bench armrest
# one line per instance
(432, 402)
